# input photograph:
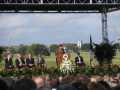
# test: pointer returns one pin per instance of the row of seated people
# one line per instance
(20, 62)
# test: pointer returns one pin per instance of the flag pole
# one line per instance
(91, 51)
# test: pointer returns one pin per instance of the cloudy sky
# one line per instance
(16, 28)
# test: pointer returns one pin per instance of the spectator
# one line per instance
(79, 86)
(95, 86)
(3, 85)
(39, 82)
(116, 87)
(66, 87)
(105, 84)
(10, 82)
(25, 84)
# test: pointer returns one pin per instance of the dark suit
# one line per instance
(20, 63)
(40, 61)
(9, 63)
(79, 61)
(30, 62)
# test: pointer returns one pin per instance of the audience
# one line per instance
(80, 86)
(105, 84)
(25, 84)
(68, 82)
(3, 85)
(10, 82)
(116, 88)
(95, 86)
(39, 81)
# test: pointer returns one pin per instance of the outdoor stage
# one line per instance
(59, 6)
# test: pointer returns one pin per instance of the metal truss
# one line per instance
(59, 1)
(104, 27)
(55, 12)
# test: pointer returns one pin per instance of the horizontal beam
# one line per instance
(114, 9)
(62, 12)
(61, 1)
(58, 7)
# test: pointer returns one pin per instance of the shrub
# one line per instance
(104, 53)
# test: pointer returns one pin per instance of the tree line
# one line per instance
(36, 49)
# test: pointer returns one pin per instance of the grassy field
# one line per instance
(51, 62)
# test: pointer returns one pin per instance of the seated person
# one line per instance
(9, 62)
(41, 62)
(20, 63)
(79, 60)
(30, 61)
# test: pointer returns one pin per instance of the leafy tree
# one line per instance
(37, 49)
(1, 52)
(53, 47)
(117, 46)
(104, 53)
(22, 49)
(14, 49)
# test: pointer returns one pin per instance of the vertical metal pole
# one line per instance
(104, 27)
(74, 1)
(90, 1)
(41, 2)
(58, 1)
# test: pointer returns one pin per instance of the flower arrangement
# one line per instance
(66, 66)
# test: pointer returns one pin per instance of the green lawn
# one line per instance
(51, 62)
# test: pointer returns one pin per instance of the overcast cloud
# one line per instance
(18, 28)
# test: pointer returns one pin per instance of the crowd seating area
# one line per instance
(68, 82)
